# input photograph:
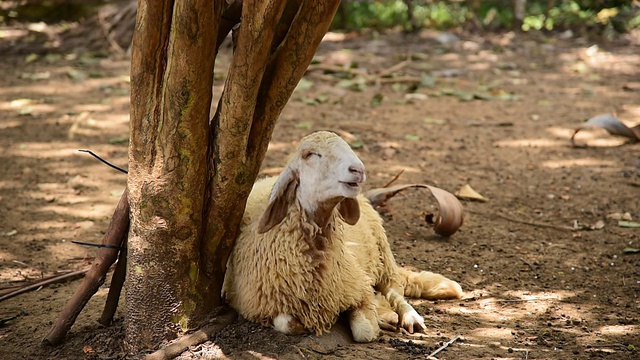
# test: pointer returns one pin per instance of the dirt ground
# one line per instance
(495, 111)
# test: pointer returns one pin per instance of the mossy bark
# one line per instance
(171, 82)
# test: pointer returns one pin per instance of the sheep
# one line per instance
(312, 247)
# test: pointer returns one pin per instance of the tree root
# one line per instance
(179, 346)
(115, 235)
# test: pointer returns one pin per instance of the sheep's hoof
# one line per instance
(288, 324)
(413, 322)
(388, 320)
(363, 329)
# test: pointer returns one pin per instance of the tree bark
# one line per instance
(189, 177)
(171, 82)
(269, 60)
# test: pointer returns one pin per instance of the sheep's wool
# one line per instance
(279, 273)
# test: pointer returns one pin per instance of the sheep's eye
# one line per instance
(309, 154)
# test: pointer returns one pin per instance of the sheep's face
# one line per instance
(323, 173)
(328, 170)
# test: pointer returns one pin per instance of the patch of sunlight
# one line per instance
(257, 355)
(633, 110)
(41, 150)
(494, 333)
(279, 146)
(272, 171)
(92, 107)
(11, 184)
(334, 37)
(5, 256)
(96, 211)
(535, 143)
(10, 124)
(397, 168)
(561, 132)
(47, 225)
(69, 250)
(121, 100)
(12, 33)
(584, 162)
(527, 295)
(521, 304)
(619, 329)
(598, 138)
(479, 66)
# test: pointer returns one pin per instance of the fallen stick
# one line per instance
(435, 352)
(395, 68)
(113, 238)
(48, 281)
(394, 179)
(117, 281)
(534, 223)
(179, 346)
(525, 222)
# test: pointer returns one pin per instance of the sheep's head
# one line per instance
(322, 174)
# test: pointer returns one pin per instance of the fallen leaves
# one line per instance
(611, 124)
(467, 193)
(450, 215)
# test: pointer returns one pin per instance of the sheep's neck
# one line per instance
(323, 213)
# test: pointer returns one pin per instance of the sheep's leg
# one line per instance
(409, 318)
(288, 324)
(363, 321)
(387, 317)
(428, 285)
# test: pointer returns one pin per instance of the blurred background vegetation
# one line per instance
(618, 15)
(597, 16)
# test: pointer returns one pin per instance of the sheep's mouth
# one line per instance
(353, 185)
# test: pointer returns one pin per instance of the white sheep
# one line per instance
(311, 247)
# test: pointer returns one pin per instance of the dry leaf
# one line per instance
(467, 193)
(450, 212)
(598, 225)
(611, 124)
(619, 216)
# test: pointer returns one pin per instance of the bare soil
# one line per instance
(539, 282)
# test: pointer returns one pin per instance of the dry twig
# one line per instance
(394, 179)
(116, 233)
(179, 346)
(44, 282)
(436, 351)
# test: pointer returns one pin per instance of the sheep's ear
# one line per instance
(350, 210)
(282, 195)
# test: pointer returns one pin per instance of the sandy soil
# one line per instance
(540, 284)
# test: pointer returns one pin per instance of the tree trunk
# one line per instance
(189, 177)
(171, 81)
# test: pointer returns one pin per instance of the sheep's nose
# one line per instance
(358, 171)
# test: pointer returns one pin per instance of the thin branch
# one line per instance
(433, 354)
(116, 232)
(51, 280)
(105, 161)
(179, 346)
(117, 281)
(523, 300)
(394, 179)
(535, 223)
(395, 68)
(525, 222)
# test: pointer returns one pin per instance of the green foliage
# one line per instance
(375, 14)
(619, 15)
